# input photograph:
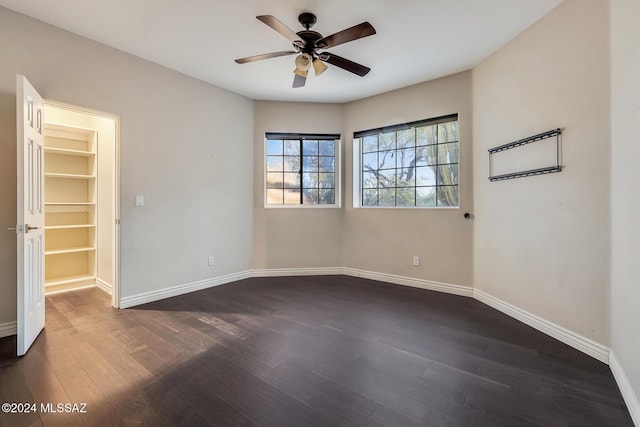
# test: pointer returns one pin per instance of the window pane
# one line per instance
(275, 197)
(387, 178)
(406, 197)
(426, 135)
(292, 148)
(291, 180)
(326, 180)
(427, 155)
(370, 161)
(448, 153)
(327, 164)
(426, 196)
(369, 197)
(448, 196)
(406, 177)
(291, 197)
(425, 176)
(274, 163)
(326, 148)
(406, 157)
(310, 164)
(448, 175)
(295, 165)
(291, 164)
(406, 138)
(274, 147)
(327, 196)
(369, 180)
(310, 148)
(370, 143)
(387, 141)
(387, 197)
(310, 197)
(447, 132)
(387, 159)
(274, 180)
(310, 180)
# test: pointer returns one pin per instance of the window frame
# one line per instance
(357, 192)
(301, 137)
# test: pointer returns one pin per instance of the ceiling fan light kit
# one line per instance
(308, 44)
(319, 67)
(303, 63)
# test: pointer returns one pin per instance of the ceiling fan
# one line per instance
(308, 45)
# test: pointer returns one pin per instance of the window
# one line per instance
(409, 165)
(301, 170)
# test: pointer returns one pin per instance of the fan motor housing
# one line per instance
(310, 38)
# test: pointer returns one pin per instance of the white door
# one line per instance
(30, 225)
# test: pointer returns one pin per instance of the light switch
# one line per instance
(139, 200)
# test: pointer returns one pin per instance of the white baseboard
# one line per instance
(410, 281)
(106, 287)
(315, 271)
(173, 291)
(629, 396)
(7, 329)
(577, 341)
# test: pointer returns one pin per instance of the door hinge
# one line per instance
(18, 228)
(23, 228)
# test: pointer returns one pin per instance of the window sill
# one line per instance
(302, 206)
(410, 207)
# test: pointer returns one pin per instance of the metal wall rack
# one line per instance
(531, 172)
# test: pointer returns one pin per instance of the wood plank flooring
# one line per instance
(302, 351)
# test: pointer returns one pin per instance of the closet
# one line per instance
(70, 207)
(79, 195)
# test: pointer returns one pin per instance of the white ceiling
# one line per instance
(416, 40)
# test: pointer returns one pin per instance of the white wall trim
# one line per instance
(7, 329)
(577, 341)
(173, 291)
(466, 291)
(106, 287)
(629, 396)
(315, 271)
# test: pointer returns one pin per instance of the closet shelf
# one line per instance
(64, 227)
(68, 176)
(68, 279)
(70, 250)
(67, 152)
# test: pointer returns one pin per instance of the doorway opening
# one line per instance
(81, 194)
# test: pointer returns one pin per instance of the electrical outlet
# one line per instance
(416, 261)
(211, 260)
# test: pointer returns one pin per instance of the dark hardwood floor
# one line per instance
(302, 351)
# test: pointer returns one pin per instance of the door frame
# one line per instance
(115, 290)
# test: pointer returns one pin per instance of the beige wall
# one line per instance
(625, 182)
(185, 145)
(542, 242)
(385, 240)
(294, 237)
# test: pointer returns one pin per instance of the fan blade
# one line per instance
(264, 56)
(354, 33)
(299, 81)
(274, 23)
(345, 64)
